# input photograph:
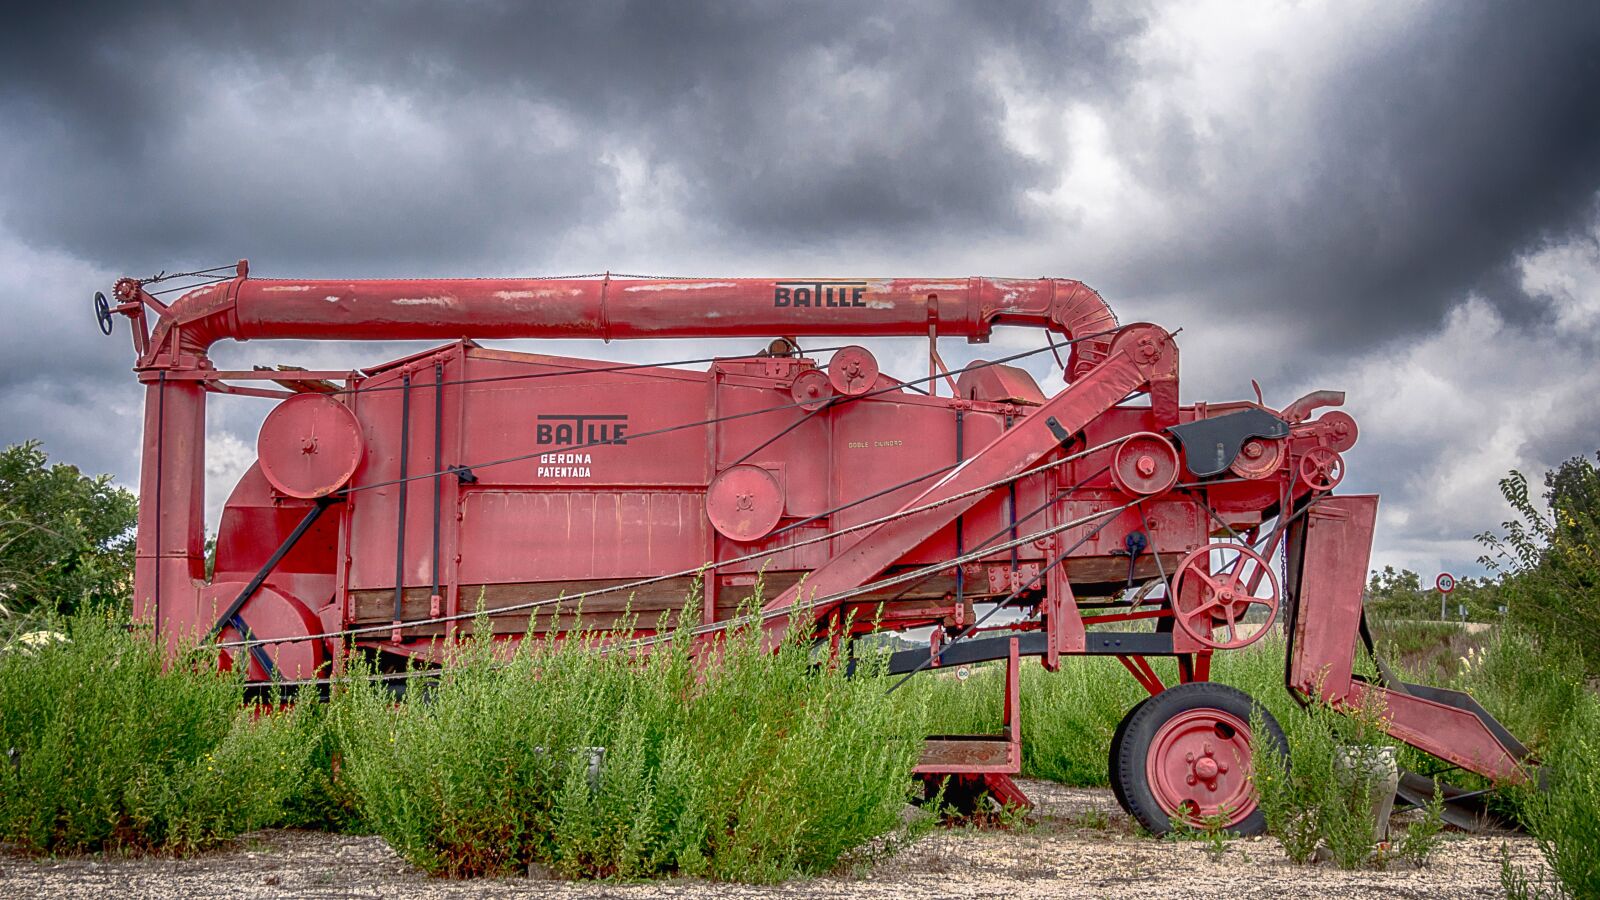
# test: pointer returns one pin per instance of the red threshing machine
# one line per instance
(388, 503)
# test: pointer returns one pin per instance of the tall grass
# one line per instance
(1565, 817)
(756, 767)
(105, 750)
(1530, 683)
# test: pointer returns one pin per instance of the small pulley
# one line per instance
(853, 370)
(1204, 600)
(1258, 458)
(1145, 464)
(811, 389)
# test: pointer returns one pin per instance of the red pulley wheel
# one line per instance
(1145, 464)
(811, 389)
(275, 620)
(1258, 458)
(744, 503)
(853, 370)
(310, 446)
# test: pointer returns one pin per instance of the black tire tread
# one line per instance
(1113, 766)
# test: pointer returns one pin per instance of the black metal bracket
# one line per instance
(1211, 445)
(257, 652)
(1057, 429)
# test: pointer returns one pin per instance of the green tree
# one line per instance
(1551, 557)
(66, 539)
(1398, 594)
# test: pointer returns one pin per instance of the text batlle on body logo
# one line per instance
(572, 430)
(830, 294)
(574, 433)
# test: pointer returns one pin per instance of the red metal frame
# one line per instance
(504, 478)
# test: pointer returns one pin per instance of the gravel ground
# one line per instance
(1078, 844)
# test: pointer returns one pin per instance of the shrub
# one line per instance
(1562, 816)
(1550, 558)
(1530, 683)
(1322, 795)
(66, 539)
(590, 764)
(108, 751)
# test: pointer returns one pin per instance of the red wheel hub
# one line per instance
(1199, 767)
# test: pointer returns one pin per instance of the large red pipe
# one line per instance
(244, 308)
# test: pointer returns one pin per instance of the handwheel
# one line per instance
(1321, 469)
(1185, 754)
(1221, 599)
(102, 312)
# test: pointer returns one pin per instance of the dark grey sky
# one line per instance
(1399, 200)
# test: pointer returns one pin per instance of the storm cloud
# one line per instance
(1395, 199)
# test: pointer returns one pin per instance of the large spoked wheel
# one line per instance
(1204, 601)
(1185, 754)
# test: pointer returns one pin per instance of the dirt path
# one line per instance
(1078, 845)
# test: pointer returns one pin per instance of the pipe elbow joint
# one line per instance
(186, 329)
(1080, 313)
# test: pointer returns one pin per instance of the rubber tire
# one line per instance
(1113, 764)
(1140, 730)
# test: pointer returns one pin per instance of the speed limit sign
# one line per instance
(1445, 582)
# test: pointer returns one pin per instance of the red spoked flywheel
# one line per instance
(1204, 600)
(1321, 469)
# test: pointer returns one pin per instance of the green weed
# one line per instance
(756, 767)
(1562, 817)
(107, 750)
(1321, 796)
